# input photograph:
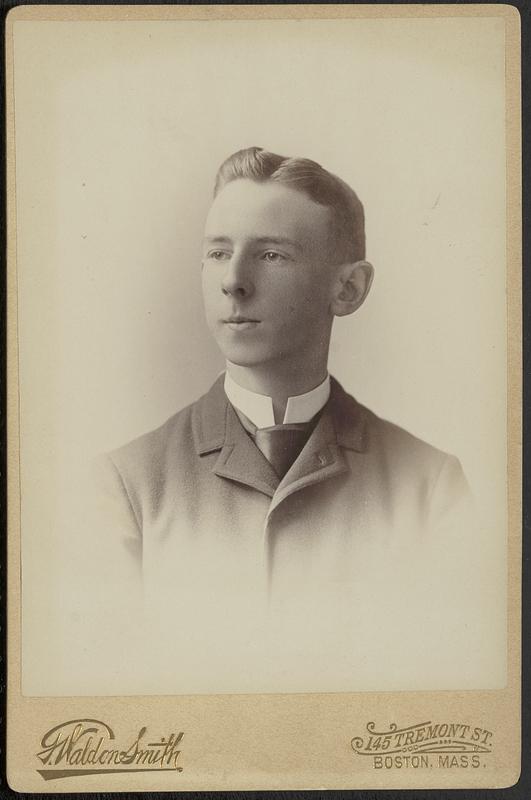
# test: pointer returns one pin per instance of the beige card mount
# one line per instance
(182, 616)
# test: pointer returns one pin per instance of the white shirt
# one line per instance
(258, 408)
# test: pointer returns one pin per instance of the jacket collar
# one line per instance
(209, 419)
(216, 427)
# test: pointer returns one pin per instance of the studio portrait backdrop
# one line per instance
(120, 129)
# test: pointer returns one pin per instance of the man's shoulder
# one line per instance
(405, 464)
(385, 433)
(173, 425)
(385, 439)
(151, 451)
(175, 444)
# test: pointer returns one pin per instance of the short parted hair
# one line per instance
(347, 231)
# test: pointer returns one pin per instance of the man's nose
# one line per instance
(237, 279)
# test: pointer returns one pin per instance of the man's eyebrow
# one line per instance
(222, 239)
(274, 240)
(277, 240)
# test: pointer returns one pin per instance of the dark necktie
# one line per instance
(281, 444)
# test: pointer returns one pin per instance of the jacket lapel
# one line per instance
(342, 426)
(320, 459)
(216, 427)
(240, 459)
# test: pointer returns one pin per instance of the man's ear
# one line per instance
(351, 287)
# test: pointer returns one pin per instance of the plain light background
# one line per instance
(120, 128)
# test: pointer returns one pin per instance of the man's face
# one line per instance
(267, 280)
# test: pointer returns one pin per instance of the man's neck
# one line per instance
(276, 384)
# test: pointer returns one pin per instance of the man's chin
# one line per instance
(245, 360)
(246, 356)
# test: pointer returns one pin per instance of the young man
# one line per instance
(277, 448)
(277, 486)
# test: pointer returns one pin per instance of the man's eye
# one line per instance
(272, 257)
(218, 255)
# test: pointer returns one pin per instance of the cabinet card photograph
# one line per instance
(264, 408)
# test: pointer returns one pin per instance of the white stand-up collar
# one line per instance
(259, 408)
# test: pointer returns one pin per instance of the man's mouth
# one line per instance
(239, 323)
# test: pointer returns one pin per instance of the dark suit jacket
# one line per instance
(364, 548)
(198, 490)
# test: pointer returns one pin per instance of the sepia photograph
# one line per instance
(261, 261)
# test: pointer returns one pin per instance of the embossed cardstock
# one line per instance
(182, 614)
